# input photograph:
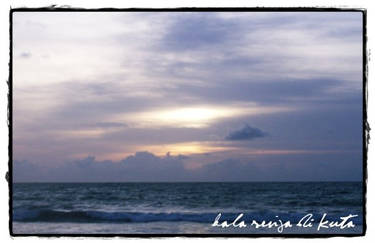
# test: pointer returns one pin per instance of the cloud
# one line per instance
(293, 45)
(108, 125)
(272, 92)
(25, 55)
(246, 133)
(147, 167)
(192, 31)
(158, 61)
(142, 166)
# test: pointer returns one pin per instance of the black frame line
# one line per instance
(365, 124)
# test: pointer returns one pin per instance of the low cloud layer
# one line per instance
(145, 166)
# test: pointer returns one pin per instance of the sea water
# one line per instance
(184, 208)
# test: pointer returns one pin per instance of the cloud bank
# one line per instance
(147, 167)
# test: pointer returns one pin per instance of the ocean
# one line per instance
(187, 208)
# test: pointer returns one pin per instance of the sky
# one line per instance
(187, 96)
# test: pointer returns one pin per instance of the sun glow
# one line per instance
(187, 148)
(195, 116)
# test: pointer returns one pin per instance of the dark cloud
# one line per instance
(194, 31)
(246, 133)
